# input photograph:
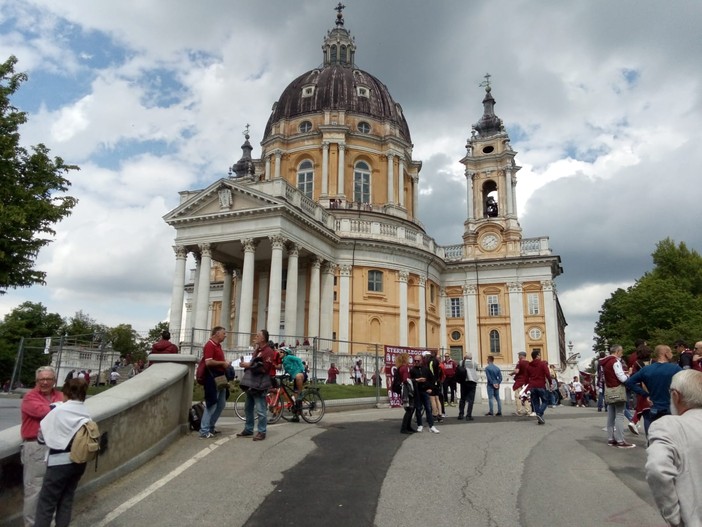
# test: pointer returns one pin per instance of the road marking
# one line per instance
(161, 482)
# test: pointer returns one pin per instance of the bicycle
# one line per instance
(280, 403)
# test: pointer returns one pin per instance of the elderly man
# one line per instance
(674, 464)
(35, 406)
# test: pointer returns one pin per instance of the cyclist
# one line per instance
(294, 367)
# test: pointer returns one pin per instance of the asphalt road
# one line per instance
(356, 469)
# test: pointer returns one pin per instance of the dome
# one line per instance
(336, 87)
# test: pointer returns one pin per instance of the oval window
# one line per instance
(305, 126)
(488, 149)
(364, 127)
(456, 335)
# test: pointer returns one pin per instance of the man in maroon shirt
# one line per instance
(449, 383)
(35, 405)
(539, 374)
(215, 400)
(520, 375)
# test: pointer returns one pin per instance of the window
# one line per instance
(535, 333)
(375, 281)
(334, 52)
(361, 183)
(533, 303)
(305, 126)
(432, 293)
(308, 91)
(364, 127)
(343, 54)
(305, 178)
(455, 335)
(362, 91)
(493, 305)
(494, 341)
(455, 307)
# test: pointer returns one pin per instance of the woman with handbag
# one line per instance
(257, 382)
(615, 397)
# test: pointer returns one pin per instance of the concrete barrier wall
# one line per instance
(141, 417)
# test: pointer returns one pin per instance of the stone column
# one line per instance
(402, 277)
(226, 314)
(469, 193)
(190, 314)
(275, 291)
(401, 189)
(400, 178)
(262, 313)
(415, 196)
(178, 294)
(268, 168)
(340, 175)
(509, 191)
(237, 302)
(516, 319)
(313, 323)
(344, 307)
(278, 158)
(443, 342)
(326, 315)
(552, 343)
(247, 288)
(291, 294)
(391, 177)
(325, 168)
(203, 291)
(423, 311)
(470, 292)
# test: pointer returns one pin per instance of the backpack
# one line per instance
(200, 372)
(461, 372)
(86, 443)
(195, 416)
(396, 386)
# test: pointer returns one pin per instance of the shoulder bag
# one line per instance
(616, 394)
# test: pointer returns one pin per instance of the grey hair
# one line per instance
(469, 355)
(45, 368)
(688, 383)
(615, 348)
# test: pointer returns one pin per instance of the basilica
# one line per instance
(318, 239)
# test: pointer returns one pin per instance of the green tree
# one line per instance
(662, 306)
(31, 191)
(33, 322)
(83, 328)
(126, 341)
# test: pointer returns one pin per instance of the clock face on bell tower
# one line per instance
(490, 241)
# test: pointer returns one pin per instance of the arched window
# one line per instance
(305, 178)
(343, 54)
(361, 183)
(490, 199)
(494, 341)
(334, 52)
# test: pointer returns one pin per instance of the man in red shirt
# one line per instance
(332, 372)
(257, 399)
(449, 384)
(539, 374)
(215, 364)
(35, 405)
(520, 375)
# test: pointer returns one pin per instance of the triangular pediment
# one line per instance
(223, 197)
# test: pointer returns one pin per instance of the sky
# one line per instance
(601, 100)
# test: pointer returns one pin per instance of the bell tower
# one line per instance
(492, 229)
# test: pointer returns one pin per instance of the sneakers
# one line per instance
(295, 419)
(488, 414)
(460, 416)
(208, 435)
(633, 428)
(612, 442)
(532, 414)
(420, 428)
(540, 419)
(499, 414)
(434, 430)
(624, 444)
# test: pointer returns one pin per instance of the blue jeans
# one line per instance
(256, 400)
(553, 396)
(212, 413)
(426, 404)
(539, 400)
(494, 392)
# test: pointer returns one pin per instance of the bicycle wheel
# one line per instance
(287, 405)
(312, 406)
(239, 406)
